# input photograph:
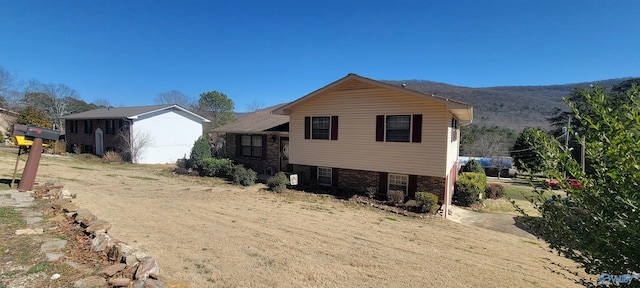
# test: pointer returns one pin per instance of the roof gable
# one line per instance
(460, 110)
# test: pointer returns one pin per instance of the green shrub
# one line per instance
(215, 167)
(242, 176)
(427, 202)
(469, 188)
(201, 150)
(494, 191)
(395, 196)
(473, 166)
(278, 183)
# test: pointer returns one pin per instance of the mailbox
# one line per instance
(45, 134)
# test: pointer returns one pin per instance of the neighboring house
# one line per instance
(170, 130)
(259, 141)
(7, 118)
(357, 133)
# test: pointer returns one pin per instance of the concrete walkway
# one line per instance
(497, 222)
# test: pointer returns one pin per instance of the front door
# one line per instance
(284, 153)
(99, 142)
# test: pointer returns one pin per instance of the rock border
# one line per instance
(122, 255)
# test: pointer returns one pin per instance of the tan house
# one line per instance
(357, 133)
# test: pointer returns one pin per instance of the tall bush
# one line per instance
(473, 166)
(201, 150)
(469, 188)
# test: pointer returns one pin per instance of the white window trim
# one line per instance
(330, 170)
(386, 117)
(406, 189)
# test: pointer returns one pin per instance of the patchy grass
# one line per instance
(11, 218)
(142, 178)
(81, 168)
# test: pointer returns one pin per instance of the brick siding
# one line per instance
(261, 166)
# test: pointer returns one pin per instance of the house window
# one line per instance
(73, 126)
(251, 145)
(399, 182)
(110, 127)
(88, 129)
(454, 129)
(320, 127)
(398, 128)
(324, 176)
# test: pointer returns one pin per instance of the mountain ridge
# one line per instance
(513, 107)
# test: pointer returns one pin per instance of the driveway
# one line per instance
(497, 222)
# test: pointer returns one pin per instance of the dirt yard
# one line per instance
(205, 233)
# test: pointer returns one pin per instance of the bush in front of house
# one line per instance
(278, 183)
(215, 167)
(473, 166)
(395, 197)
(200, 151)
(494, 191)
(469, 188)
(112, 157)
(243, 176)
(426, 202)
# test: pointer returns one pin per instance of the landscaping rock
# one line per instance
(59, 203)
(90, 282)
(98, 225)
(57, 218)
(84, 217)
(29, 231)
(112, 270)
(100, 242)
(148, 265)
(119, 282)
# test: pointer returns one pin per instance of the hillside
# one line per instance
(514, 107)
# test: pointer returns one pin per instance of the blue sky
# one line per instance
(269, 52)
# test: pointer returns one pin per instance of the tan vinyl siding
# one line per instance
(356, 148)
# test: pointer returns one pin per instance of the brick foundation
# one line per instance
(359, 180)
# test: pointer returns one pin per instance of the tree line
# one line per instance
(45, 104)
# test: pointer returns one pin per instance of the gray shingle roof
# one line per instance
(257, 122)
(125, 112)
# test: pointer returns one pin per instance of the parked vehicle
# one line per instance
(555, 184)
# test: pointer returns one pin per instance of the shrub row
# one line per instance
(494, 191)
(427, 202)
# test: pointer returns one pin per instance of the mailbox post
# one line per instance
(35, 153)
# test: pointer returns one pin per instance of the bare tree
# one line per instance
(175, 97)
(134, 146)
(50, 98)
(9, 86)
(255, 106)
(101, 102)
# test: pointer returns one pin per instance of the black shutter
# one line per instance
(334, 127)
(380, 128)
(313, 174)
(416, 135)
(238, 145)
(334, 177)
(382, 183)
(413, 186)
(307, 129)
(264, 146)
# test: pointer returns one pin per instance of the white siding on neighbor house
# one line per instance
(356, 147)
(172, 135)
